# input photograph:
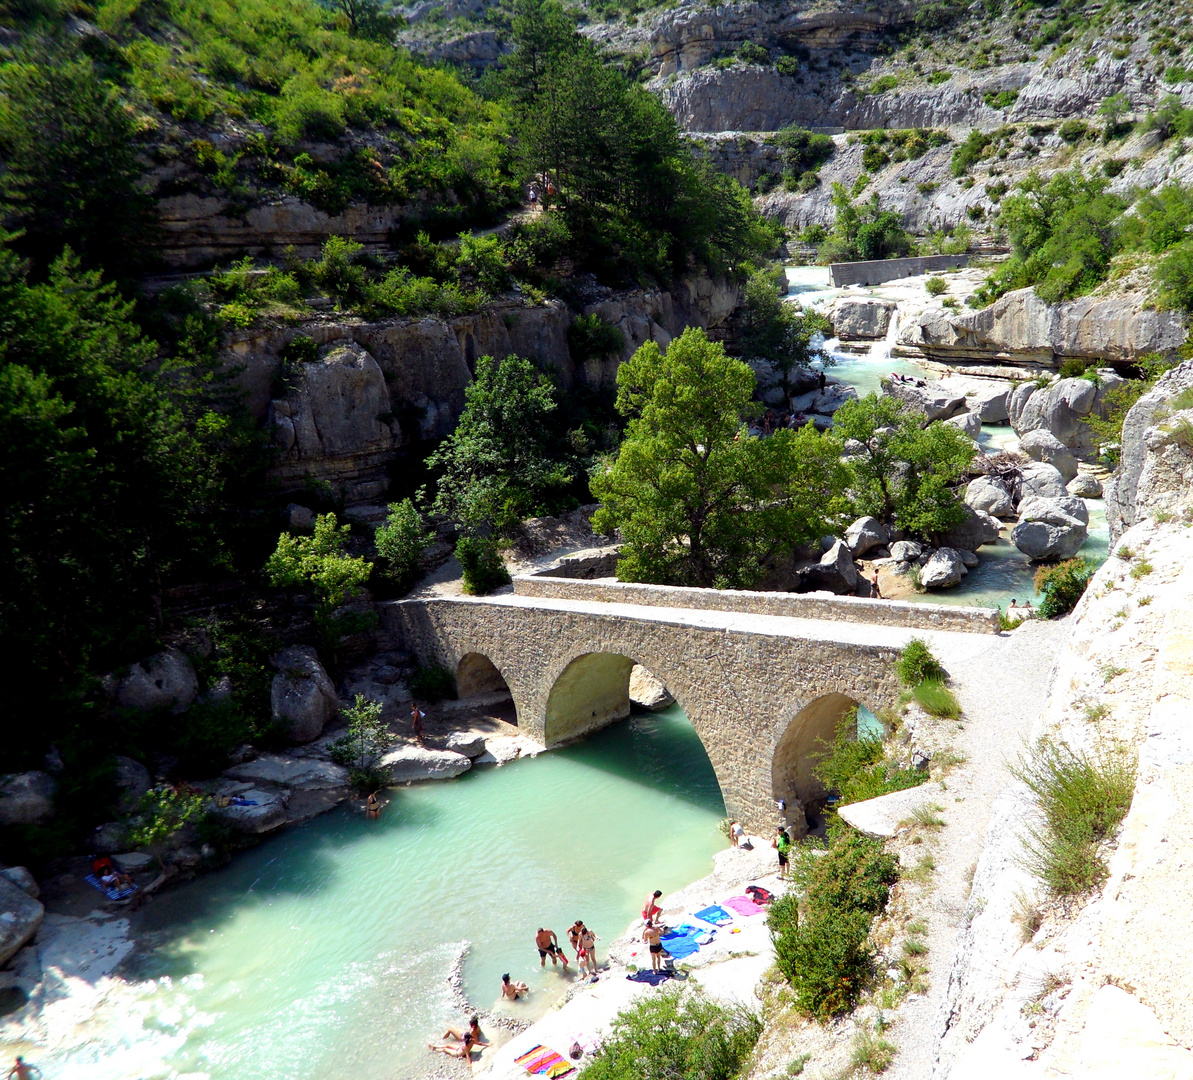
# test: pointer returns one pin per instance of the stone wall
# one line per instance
(743, 691)
(876, 271)
(786, 605)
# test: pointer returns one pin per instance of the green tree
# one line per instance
(779, 332)
(904, 473)
(401, 542)
(161, 813)
(71, 174)
(502, 464)
(361, 748)
(321, 562)
(864, 231)
(697, 500)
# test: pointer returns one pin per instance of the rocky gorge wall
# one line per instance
(380, 387)
(1093, 986)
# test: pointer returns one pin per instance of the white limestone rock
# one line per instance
(1042, 445)
(22, 879)
(647, 691)
(1040, 478)
(977, 529)
(988, 398)
(944, 569)
(469, 743)
(988, 494)
(968, 422)
(301, 774)
(409, 763)
(166, 680)
(881, 818)
(862, 318)
(866, 533)
(269, 812)
(906, 551)
(502, 748)
(1085, 486)
(1051, 528)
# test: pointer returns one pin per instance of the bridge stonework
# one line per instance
(754, 698)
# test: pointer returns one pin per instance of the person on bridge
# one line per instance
(651, 909)
(548, 945)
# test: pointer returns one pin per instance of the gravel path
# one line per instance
(1002, 690)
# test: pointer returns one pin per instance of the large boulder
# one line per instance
(977, 529)
(647, 691)
(834, 573)
(255, 810)
(1085, 486)
(968, 422)
(469, 743)
(1041, 445)
(27, 798)
(1038, 478)
(989, 398)
(20, 917)
(824, 402)
(166, 680)
(302, 696)
(989, 495)
(866, 318)
(935, 402)
(282, 770)
(1051, 528)
(944, 569)
(22, 879)
(906, 551)
(866, 533)
(500, 749)
(410, 762)
(1061, 409)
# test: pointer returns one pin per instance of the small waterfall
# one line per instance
(881, 350)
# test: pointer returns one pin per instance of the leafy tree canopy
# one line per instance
(864, 231)
(699, 501)
(779, 332)
(906, 473)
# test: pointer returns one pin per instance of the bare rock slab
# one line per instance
(20, 916)
(502, 748)
(301, 774)
(27, 798)
(409, 763)
(880, 818)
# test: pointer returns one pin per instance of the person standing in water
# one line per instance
(548, 945)
(372, 806)
(512, 990)
(588, 949)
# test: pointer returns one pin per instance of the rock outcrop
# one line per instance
(409, 763)
(1041, 445)
(20, 916)
(943, 569)
(866, 533)
(1128, 496)
(166, 680)
(834, 573)
(302, 696)
(27, 798)
(989, 495)
(647, 691)
(977, 529)
(933, 400)
(862, 318)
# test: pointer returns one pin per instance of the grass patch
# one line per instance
(928, 816)
(937, 699)
(795, 1067)
(1141, 569)
(1083, 798)
(1095, 713)
(915, 947)
(872, 1052)
(1027, 914)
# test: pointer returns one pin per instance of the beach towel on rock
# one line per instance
(543, 1061)
(112, 892)
(681, 941)
(716, 915)
(743, 905)
(651, 978)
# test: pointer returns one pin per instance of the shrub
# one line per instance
(753, 53)
(401, 542)
(937, 699)
(433, 683)
(916, 663)
(787, 65)
(1062, 586)
(361, 748)
(874, 158)
(856, 768)
(1073, 131)
(160, 813)
(970, 152)
(803, 150)
(484, 570)
(936, 286)
(676, 1035)
(1083, 798)
(1112, 167)
(821, 945)
(592, 338)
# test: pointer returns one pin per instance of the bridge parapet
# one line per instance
(972, 620)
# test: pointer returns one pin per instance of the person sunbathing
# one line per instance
(463, 1050)
(473, 1030)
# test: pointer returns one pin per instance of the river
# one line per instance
(324, 952)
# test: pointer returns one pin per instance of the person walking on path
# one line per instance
(874, 582)
(651, 909)
(782, 845)
(548, 945)
(417, 716)
(651, 936)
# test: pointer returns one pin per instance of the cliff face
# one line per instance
(381, 387)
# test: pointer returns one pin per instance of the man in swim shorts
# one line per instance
(651, 910)
(548, 945)
(651, 936)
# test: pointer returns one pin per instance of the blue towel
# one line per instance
(680, 942)
(702, 935)
(651, 977)
(716, 915)
(110, 893)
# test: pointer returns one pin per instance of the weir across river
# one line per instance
(764, 691)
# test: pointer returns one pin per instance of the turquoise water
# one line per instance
(325, 951)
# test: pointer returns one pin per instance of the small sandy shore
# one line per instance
(729, 969)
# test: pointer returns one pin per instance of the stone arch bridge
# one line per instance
(761, 691)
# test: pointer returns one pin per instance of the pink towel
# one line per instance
(743, 905)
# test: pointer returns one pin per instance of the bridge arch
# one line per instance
(809, 732)
(476, 674)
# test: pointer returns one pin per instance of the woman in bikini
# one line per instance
(463, 1050)
(588, 949)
